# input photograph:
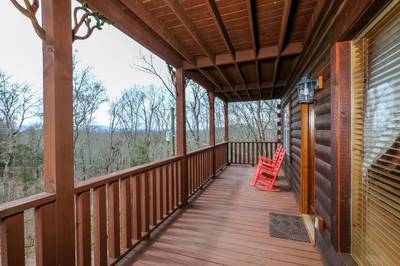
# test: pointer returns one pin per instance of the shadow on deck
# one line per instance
(227, 223)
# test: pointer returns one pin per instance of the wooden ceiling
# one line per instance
(241, 49)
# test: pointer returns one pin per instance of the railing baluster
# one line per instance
(172, 186)
(190, 174)
(248, 153)
(240, 153)
(160, 193)
(269, 149)
(252, 154)
(45, 232)
(153, 198)
(100, 226)
(196, 166)
(167, 189)
(236, 153)
(230, 144)
(145, 201)
(126, 213)
(189, 165)
(12, 240)
(203, 174)
(178, 183)
(113, 220)
(83, 227)
(136, 208)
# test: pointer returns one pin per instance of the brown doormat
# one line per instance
(287, 227)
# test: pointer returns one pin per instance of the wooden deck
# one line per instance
(226, 224)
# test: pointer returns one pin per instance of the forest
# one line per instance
(140, 129)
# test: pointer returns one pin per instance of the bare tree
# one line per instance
(197, 113)
(164, 73)
(17, 105)
(255, 121)
(88, 95)
(219, 120)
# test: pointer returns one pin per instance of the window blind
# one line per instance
(376, 144)
(286, 129)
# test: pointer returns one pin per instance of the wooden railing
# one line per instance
(138, 199)
(114, 212)
(221, 156)
(248, 152)
(200, 168)
(12, 216)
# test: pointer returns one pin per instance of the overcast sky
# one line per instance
(110, 52)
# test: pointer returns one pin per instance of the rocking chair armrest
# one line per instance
(265, 165)
(267, 173)
(266, 159)
(266, 168)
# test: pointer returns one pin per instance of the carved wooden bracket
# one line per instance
(30, 11)
(89, 18)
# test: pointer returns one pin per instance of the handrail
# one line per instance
(106, 179)
(221, 144)
(253, 141)
(199, 150)
(126, 205)
(16, 206)
(248, 152)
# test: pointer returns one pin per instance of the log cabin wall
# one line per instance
(344, 21)
(323, 151)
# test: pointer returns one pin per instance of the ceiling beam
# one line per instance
(282, 34)
(253, 32)
(187, 23)
(139, 10)
(314, 17)
(254, 86)
(263, 97)
(123, 21)
(180, 13)
(264, 53)
(213, 9)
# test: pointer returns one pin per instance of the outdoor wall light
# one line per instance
(306, 89)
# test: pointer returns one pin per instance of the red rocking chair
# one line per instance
(266, 175)
(267, 161)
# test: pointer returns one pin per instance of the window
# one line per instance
(376, 143)
(286, 129)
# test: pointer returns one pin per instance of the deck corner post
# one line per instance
(181, 130)
(341, 144)
(279, 122)
(304, 164)
(226, 129)
(58, 123)
(211, 101)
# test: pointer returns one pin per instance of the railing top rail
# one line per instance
(254, 141)
(221, 144)
(199, 150)
(106, 179)
(20, 205)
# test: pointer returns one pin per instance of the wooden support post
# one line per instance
(226, 132)
(304, 158)
(58, 130)
(341, 143)
(211, 100)
(226, 122)
(279, 123)
(181, 130)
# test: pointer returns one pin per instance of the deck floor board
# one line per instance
(227, 225)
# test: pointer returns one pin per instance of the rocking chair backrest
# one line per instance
(276, 155)
(278, 151)
(279, 161)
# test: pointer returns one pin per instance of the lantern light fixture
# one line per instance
(306, 88)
